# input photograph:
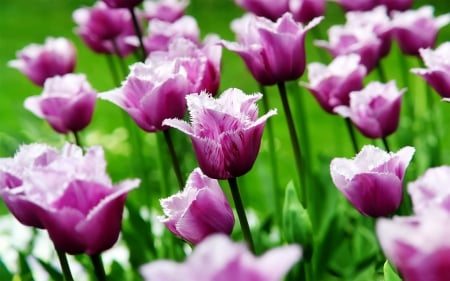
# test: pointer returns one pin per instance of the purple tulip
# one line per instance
(305, 11)
(165, 10)
(372, 181)
(38, 62)
(105, 30)
(67, 103)
(67, 193)
(152, 92)
(431, 190)
(353, 39)
(418, 246)
(273, 52)
(358, 5)
(331, 85)
(226, 132)
(198, 211)
(218, 258)
(122, 3)
(265, 8)
(162, 32)
(375, 110)
(415, 29)
(437, 73)
(398, 5)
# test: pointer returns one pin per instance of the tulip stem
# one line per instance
(241, 213)
(174, 158)
(113, 70)
(381, 74)
(77, 139)
(351, 132)
(294, 141)
(64, 265)
(122, 63)
(99, 269)
(386, 144)
(137, 28)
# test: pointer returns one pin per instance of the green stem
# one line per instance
(122, 63)
(409, 98)
(137, 28)
(173, 157)
(381, 74)
(113, 70)
(241, 213)
(64, 265)
(99, 269)
(294, 140)
(386, 144)
(77, 139)
(351, 132)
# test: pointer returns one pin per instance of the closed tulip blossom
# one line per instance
(122, 3)
(373, 180)
(331, 85)
(165, 10)
(67, 193)
(198, 211)
(417, 246)
(152, 92)
(105, 30)
(375, 110)
(416, 29)
(437, 71)
(218, 258)
(57, 56)
(67, 103)
(225, 132)
(274, 52)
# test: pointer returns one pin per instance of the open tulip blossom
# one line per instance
(198, 211)
(122, 3)
(38, 62)
(218, 258)
(67, 103)
(373, 180)
(165, 10)
(226, 132)
(67, 193)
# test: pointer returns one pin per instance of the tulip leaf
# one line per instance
(5, 274)
(24, 268)
(389, 273)
(53, 272)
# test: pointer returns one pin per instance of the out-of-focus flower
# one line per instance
(165, 10)
(273, 52)
(105, 30)
(202, 64)
(122, 3)
(218, 258)
(367, 5)
(67, 193)
(418, 246)
(162, 32)
(373, 180)
(415, 29)
(67, 103)
(431, 190)
(398, 5)
(305, 11)
(198, 211)
(226, 132)
(437, 73)
(38, 62)
(353, 39)
(375, 110)
(331, 85)
(152, 92)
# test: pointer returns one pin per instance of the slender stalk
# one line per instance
(64, 265)
(385, 143)
(174, 158)
(77, 139)
(113, 70)
(123, 65)
(351, 132)
(405, 71)
(241, 213)
(99, 269)
(294, 141)
(137, 28)
(381, 74)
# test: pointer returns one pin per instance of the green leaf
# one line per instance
(53, 272)
(5, 274)
(24, 269)
(389, 273)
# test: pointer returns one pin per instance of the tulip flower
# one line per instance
(367, 5)
(226, 132)
(415, 29)
(67, 193)
(431, 190)
(67, 103)
(417, 246)
(122, 3)
(396, 5)
(305, 11)
(151, 93)
(38, 62)
(331, 85)
(165, 10)
(273, 52)
(372, 181)
(105, 30)
(437, 71)
(218, 258)
(198, 211)
(375, 110)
